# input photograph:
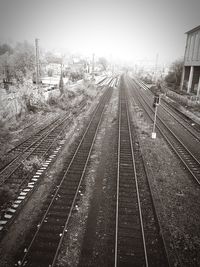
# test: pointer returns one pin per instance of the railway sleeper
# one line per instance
(129, 191)
(39, 259)
(131, 218)
(58, 214)
(127, 226)
(47, 228)
(43, 247)
(135, 242)
(128, 262)
(52, 221)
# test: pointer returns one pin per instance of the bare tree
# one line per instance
(103, 62)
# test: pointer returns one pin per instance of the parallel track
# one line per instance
(36, 145)
(26, 144)
(30, 146)
(22, 182)
(131, 246)
(183, 151)
(191, 126)
(45, 245)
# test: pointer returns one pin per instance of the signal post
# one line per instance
(156, 102)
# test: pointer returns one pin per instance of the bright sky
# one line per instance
(124, 29)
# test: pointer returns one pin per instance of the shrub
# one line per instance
(32, 164)
(6, 196)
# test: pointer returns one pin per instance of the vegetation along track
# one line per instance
(25, 148)
(45, 244)
(138, 241)
(12, 154)
(21, 181)
(184, 144)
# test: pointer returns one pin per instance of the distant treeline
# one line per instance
(16, 63)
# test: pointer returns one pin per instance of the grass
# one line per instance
(32, 164)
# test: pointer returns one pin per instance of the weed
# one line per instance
(32, 164)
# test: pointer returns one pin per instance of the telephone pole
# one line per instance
(37, 62)
(93, 66)
(156, 67)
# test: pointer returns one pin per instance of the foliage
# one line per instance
(75, 76)
(17, 63)
(5, 48)
(175, 73)
(32, 164)
(61, 102)
(52, 58)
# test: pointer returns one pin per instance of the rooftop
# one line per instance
(193, 30)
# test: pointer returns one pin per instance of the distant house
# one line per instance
(77, 65)
(55, 67)
(51, 83)
(191, 70)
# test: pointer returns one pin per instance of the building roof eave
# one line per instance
(193, 30)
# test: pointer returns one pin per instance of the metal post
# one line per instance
(93, 66)
(154, 123)
(37, 62)
(156, 66)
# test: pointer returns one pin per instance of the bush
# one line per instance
(32, 164)
(6, 196)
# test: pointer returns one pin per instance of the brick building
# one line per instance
(191, 70)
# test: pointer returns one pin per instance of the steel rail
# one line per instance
(147, 172)
(32, 136)
(120, 131)
(30, 150)
(18, 161)
(100, 109)
(195, 131)
(137, 188)
(178, 139)
(21, 184)
(80, 182)
(195, 171)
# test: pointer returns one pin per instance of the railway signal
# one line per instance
(156, 102)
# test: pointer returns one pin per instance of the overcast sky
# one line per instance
(126, 29)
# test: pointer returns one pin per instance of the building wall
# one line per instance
(191, 71)
(192, 53)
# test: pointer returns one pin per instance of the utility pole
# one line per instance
(93, 66)
(61, 83)
(156, 66)
(37, 62)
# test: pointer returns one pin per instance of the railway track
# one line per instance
(25, 149)
(44, 247)
(110, 81)
(23, 182)
(184, 144)
(36, 145)
(25, 144)
(133, 240)
(191, 126)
